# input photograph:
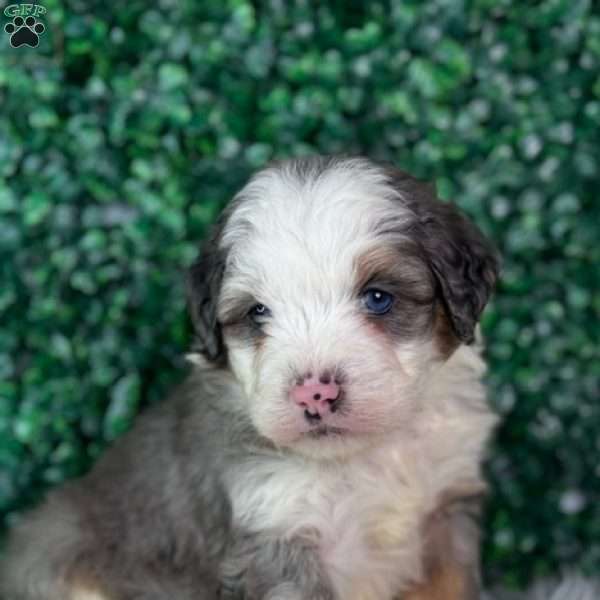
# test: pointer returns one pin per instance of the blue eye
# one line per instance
(259, 311)
(377, 301)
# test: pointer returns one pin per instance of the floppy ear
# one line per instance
(203, 287)
(464, 262)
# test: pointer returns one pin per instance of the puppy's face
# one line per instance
(332, 290)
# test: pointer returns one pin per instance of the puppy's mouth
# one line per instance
(325, 431)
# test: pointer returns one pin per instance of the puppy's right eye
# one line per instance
(259, 312)
(377, 301)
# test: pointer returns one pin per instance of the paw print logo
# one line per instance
(24, 31)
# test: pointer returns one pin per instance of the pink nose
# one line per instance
(316, 397)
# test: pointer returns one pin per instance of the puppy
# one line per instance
(327, 444)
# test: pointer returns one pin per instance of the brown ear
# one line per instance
(203, 287)
(204, 279)
(464, 262)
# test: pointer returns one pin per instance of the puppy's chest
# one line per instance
(363, 520)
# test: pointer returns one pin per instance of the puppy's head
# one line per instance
(331, 289)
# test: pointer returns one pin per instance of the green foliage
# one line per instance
(130, 125)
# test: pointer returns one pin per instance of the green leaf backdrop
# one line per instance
(130, 125)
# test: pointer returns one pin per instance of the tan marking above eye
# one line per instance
(397, 265)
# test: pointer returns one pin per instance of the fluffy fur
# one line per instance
(228, 490)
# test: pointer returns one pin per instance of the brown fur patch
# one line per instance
(396, 264)
(451, 558)
(397, 269)
(445, 339)
(449, 582)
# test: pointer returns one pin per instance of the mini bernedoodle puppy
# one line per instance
(327, 445)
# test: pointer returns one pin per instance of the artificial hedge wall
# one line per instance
(131, 124)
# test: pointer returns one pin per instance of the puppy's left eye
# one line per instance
(259, 312)
(377, 301)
